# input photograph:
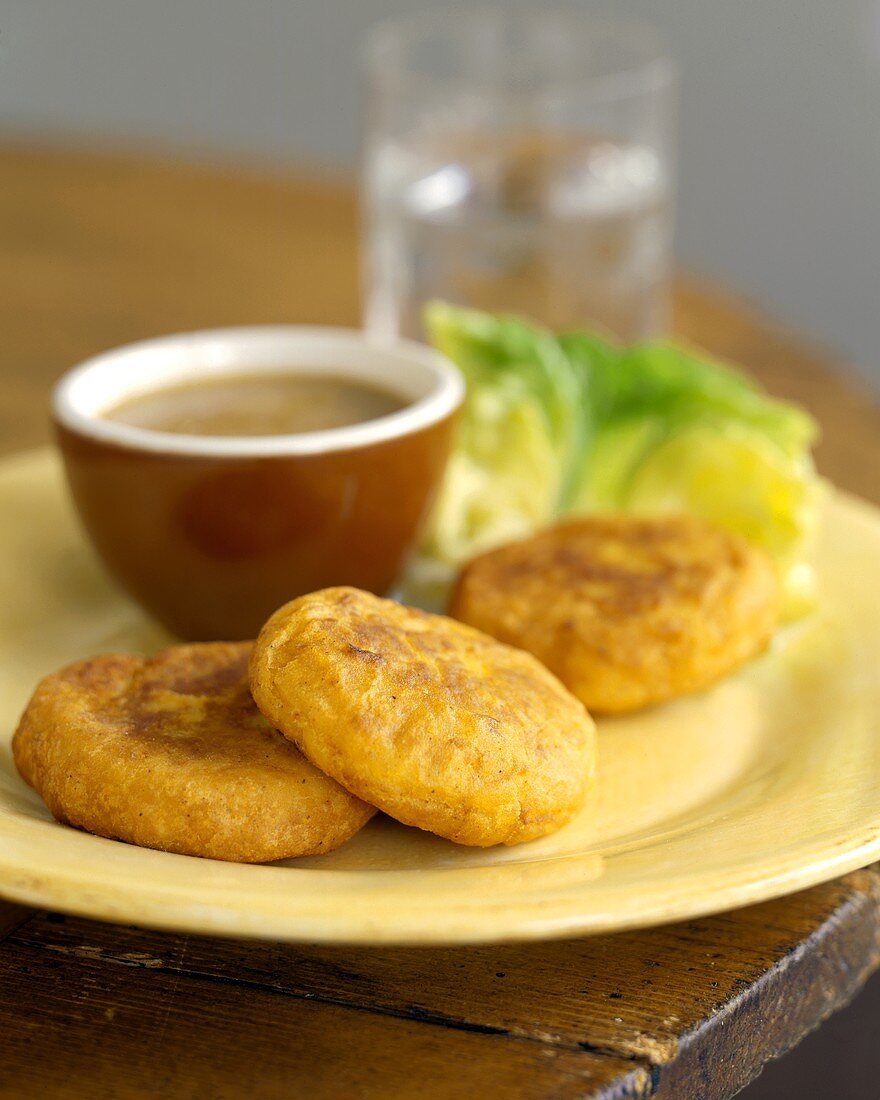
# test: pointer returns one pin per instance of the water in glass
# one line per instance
(569, 229)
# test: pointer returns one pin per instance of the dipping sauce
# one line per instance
(257, 404)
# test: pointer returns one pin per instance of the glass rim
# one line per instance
(388, 42)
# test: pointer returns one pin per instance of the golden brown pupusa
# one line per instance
(435, 723)
(172, 753)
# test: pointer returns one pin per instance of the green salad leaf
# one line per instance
(520, 434)
(674, 431)
(572, 423)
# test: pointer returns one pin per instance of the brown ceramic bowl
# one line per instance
(211, 534)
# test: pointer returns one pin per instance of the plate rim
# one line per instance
(226, 921)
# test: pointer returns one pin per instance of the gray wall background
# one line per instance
(779, 135)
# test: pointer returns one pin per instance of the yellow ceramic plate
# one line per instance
(766, 784)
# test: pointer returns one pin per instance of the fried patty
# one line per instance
(627, 611)
(172, 753)
(435, 723)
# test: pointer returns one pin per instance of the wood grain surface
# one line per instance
(97, 248)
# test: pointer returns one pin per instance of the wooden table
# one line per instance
(96, 249)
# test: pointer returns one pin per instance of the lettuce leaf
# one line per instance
(574, 423)
(677, 431)
(520, 433)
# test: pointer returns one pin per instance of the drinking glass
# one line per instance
(518, 161)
